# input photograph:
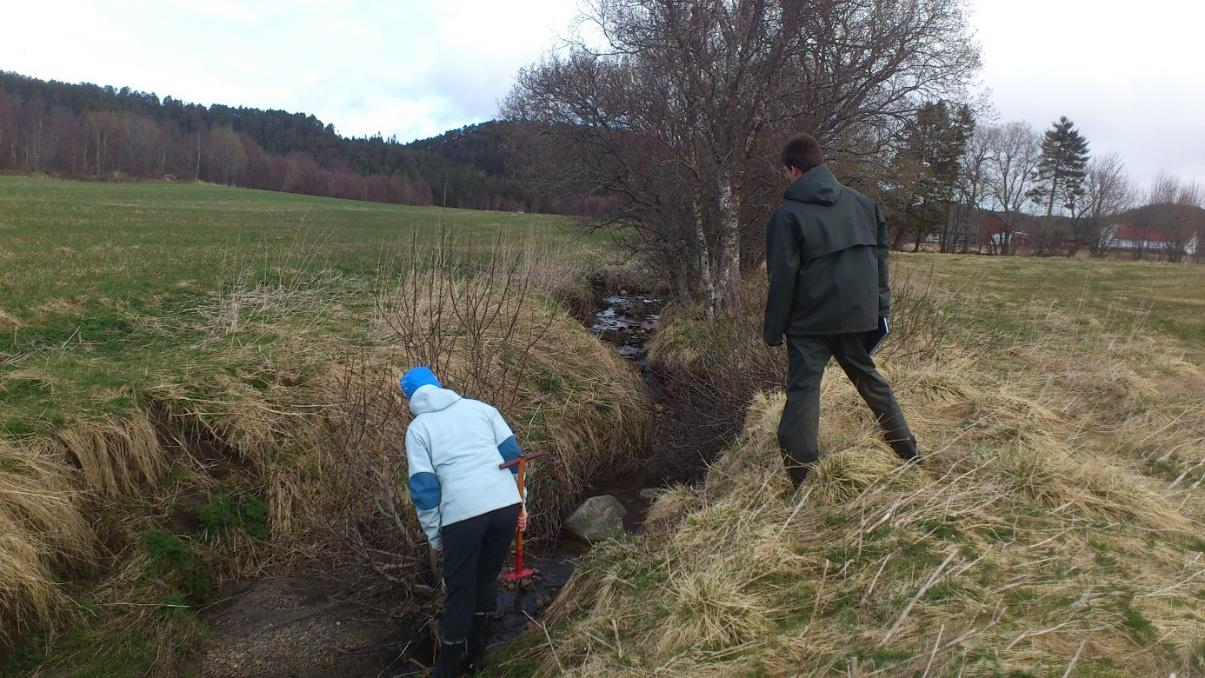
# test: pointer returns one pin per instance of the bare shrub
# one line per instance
(472, 323)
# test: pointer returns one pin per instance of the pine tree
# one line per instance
(928, 164)
(1060, 175)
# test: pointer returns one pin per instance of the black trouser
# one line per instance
(474, 550)
(807, 356)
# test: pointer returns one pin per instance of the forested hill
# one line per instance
(86, 130)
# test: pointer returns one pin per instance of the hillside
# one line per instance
(86, 130)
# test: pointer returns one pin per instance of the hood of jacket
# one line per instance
(432, 399)
(817, 186)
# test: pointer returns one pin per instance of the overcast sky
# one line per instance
(1130, 74)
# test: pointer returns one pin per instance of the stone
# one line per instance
(597, 519)
(649, 493)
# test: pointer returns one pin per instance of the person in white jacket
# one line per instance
(468, 507)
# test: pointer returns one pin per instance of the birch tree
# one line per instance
(1107, 193)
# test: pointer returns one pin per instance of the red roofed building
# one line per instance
(993, 234)
(1127, 238)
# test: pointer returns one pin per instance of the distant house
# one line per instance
(993, 233)
(1127, 238)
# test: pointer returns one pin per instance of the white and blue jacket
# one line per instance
(454, 446)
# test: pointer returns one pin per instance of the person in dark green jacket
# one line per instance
(826, 256)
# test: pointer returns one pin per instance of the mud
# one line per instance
(303, 626)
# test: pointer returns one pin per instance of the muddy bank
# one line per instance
(305, 625)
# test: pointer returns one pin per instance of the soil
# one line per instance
(301, 626)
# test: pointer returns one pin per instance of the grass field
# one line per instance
(1058, 298)
(108, 287)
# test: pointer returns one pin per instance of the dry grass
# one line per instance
(8, 323)
(116, 458)
(41, 528)
(1054, 530)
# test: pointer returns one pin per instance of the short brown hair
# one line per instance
(802, 152)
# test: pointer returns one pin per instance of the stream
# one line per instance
(627, 322)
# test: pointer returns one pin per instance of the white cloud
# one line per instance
(407, 68)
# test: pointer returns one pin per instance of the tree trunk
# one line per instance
(702, 262)
(682, 283)
(730, 240)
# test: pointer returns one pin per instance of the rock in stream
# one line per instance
(597, 519)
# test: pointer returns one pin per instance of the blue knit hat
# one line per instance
(416, 377)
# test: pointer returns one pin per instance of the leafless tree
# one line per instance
(1107, 193)
(225, 155)
(1173, 215)
(679, 114)
(971, 190)
(1015, 150)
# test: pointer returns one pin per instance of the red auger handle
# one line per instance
(515, 462)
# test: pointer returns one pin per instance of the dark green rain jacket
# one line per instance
(826, 255)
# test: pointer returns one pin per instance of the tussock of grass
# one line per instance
(707, 611)
(669, 507)
(1033, 539)
(116, 458)
(1053, 479)
(41, 529)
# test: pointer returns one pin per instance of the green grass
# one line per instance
(109, 288)
(224, 512)
(1056, 298)
(96, 648)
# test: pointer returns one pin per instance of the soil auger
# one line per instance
(520, 573)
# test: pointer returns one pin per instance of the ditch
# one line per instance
(627, 322)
